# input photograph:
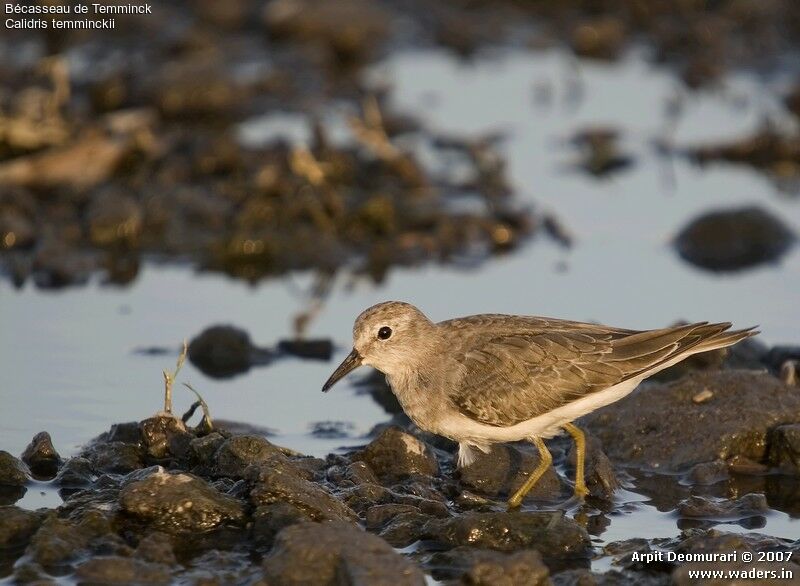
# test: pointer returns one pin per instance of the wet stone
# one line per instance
(161, 433)
(177, 503)
(734, 239)
(127, 433)
(115, 457)
(336, 553)
(238, 452)
(41, 456)
(202, 449)
(120, 570)
(405, 529)
(660, 427)
(708, 473)
(269, 520)
(481, 567)
(221, 351)
(551, 533)
(599, 472)
(76, 472)
(702, 507)
(60, 541)
(12, 471)
(17, 526)
(395, 454)
(284, 483)
(582, 577)
(784, 448)
(156, 548)
(379, 515)
(504, 469)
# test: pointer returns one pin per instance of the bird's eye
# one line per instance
(384, 333)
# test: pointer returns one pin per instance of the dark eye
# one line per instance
(384, 333)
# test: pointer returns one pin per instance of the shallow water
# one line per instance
(67, 359)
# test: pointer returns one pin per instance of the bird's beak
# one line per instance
(349, 364)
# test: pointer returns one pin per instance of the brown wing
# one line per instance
(513, 377)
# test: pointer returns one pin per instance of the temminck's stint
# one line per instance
(491, 378)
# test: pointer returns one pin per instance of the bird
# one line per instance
(494, 378)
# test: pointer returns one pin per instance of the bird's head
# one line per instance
(391, 337)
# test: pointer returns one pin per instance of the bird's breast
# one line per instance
(419, 399)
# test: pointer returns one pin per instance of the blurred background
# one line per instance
(278, 166)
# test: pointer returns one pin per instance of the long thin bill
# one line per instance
(349, 364)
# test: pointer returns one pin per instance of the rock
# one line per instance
(60, 541)
(336, 553)
(41, 456)
(584, 577)
(316, 349)
(114, 219)
(76, 472)
(504, 469)
(734, 239)
(379, 515)
(659, 427)
(702, 507)
(12, 471)
(405, 528)
(163, 436)
(784, 448)
(128, 433)
(350, 30)
(551, 533)
(708, 473)
(115, 457)
(481, 567)
(203, 449)
(16, 527)
(776, 357)
(156, 548)
(177, 503)
(284, 483)
(395, 455)
(235, 454)
(269, 520)
(221, 351)
(600, 38)
(119, 570)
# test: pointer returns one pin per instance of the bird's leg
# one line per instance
(580, 459)
(545, 459)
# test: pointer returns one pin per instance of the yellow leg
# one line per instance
(580, 459)
(545, 459)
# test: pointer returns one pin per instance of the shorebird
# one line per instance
(491, 378)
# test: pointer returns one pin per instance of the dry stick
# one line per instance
(206, 413)
(169, 378)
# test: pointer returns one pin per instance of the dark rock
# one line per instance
(777, 356)
(115, 457)
(660, 427)
(784, 448)
(269, 520)
(60, 541)
(176, 503)
(17, 526)
(350, 30)
(12, 471)
(284, 483)
(351, 474)
(203, 449)
(41, 456)
(11, 494)
(119, 570)
(551, 533)
(222, 351)
(114, 219)
(708, 473)
(702, 507)
(156, 548)
(504, 469)
(127, 433)
(481, 567)
(336, 553)
(405, 529)
(734, 239)
(160, 433)
(395, 454)
(379, 515)
(238, 452)
(76, 472)
(315, 349)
